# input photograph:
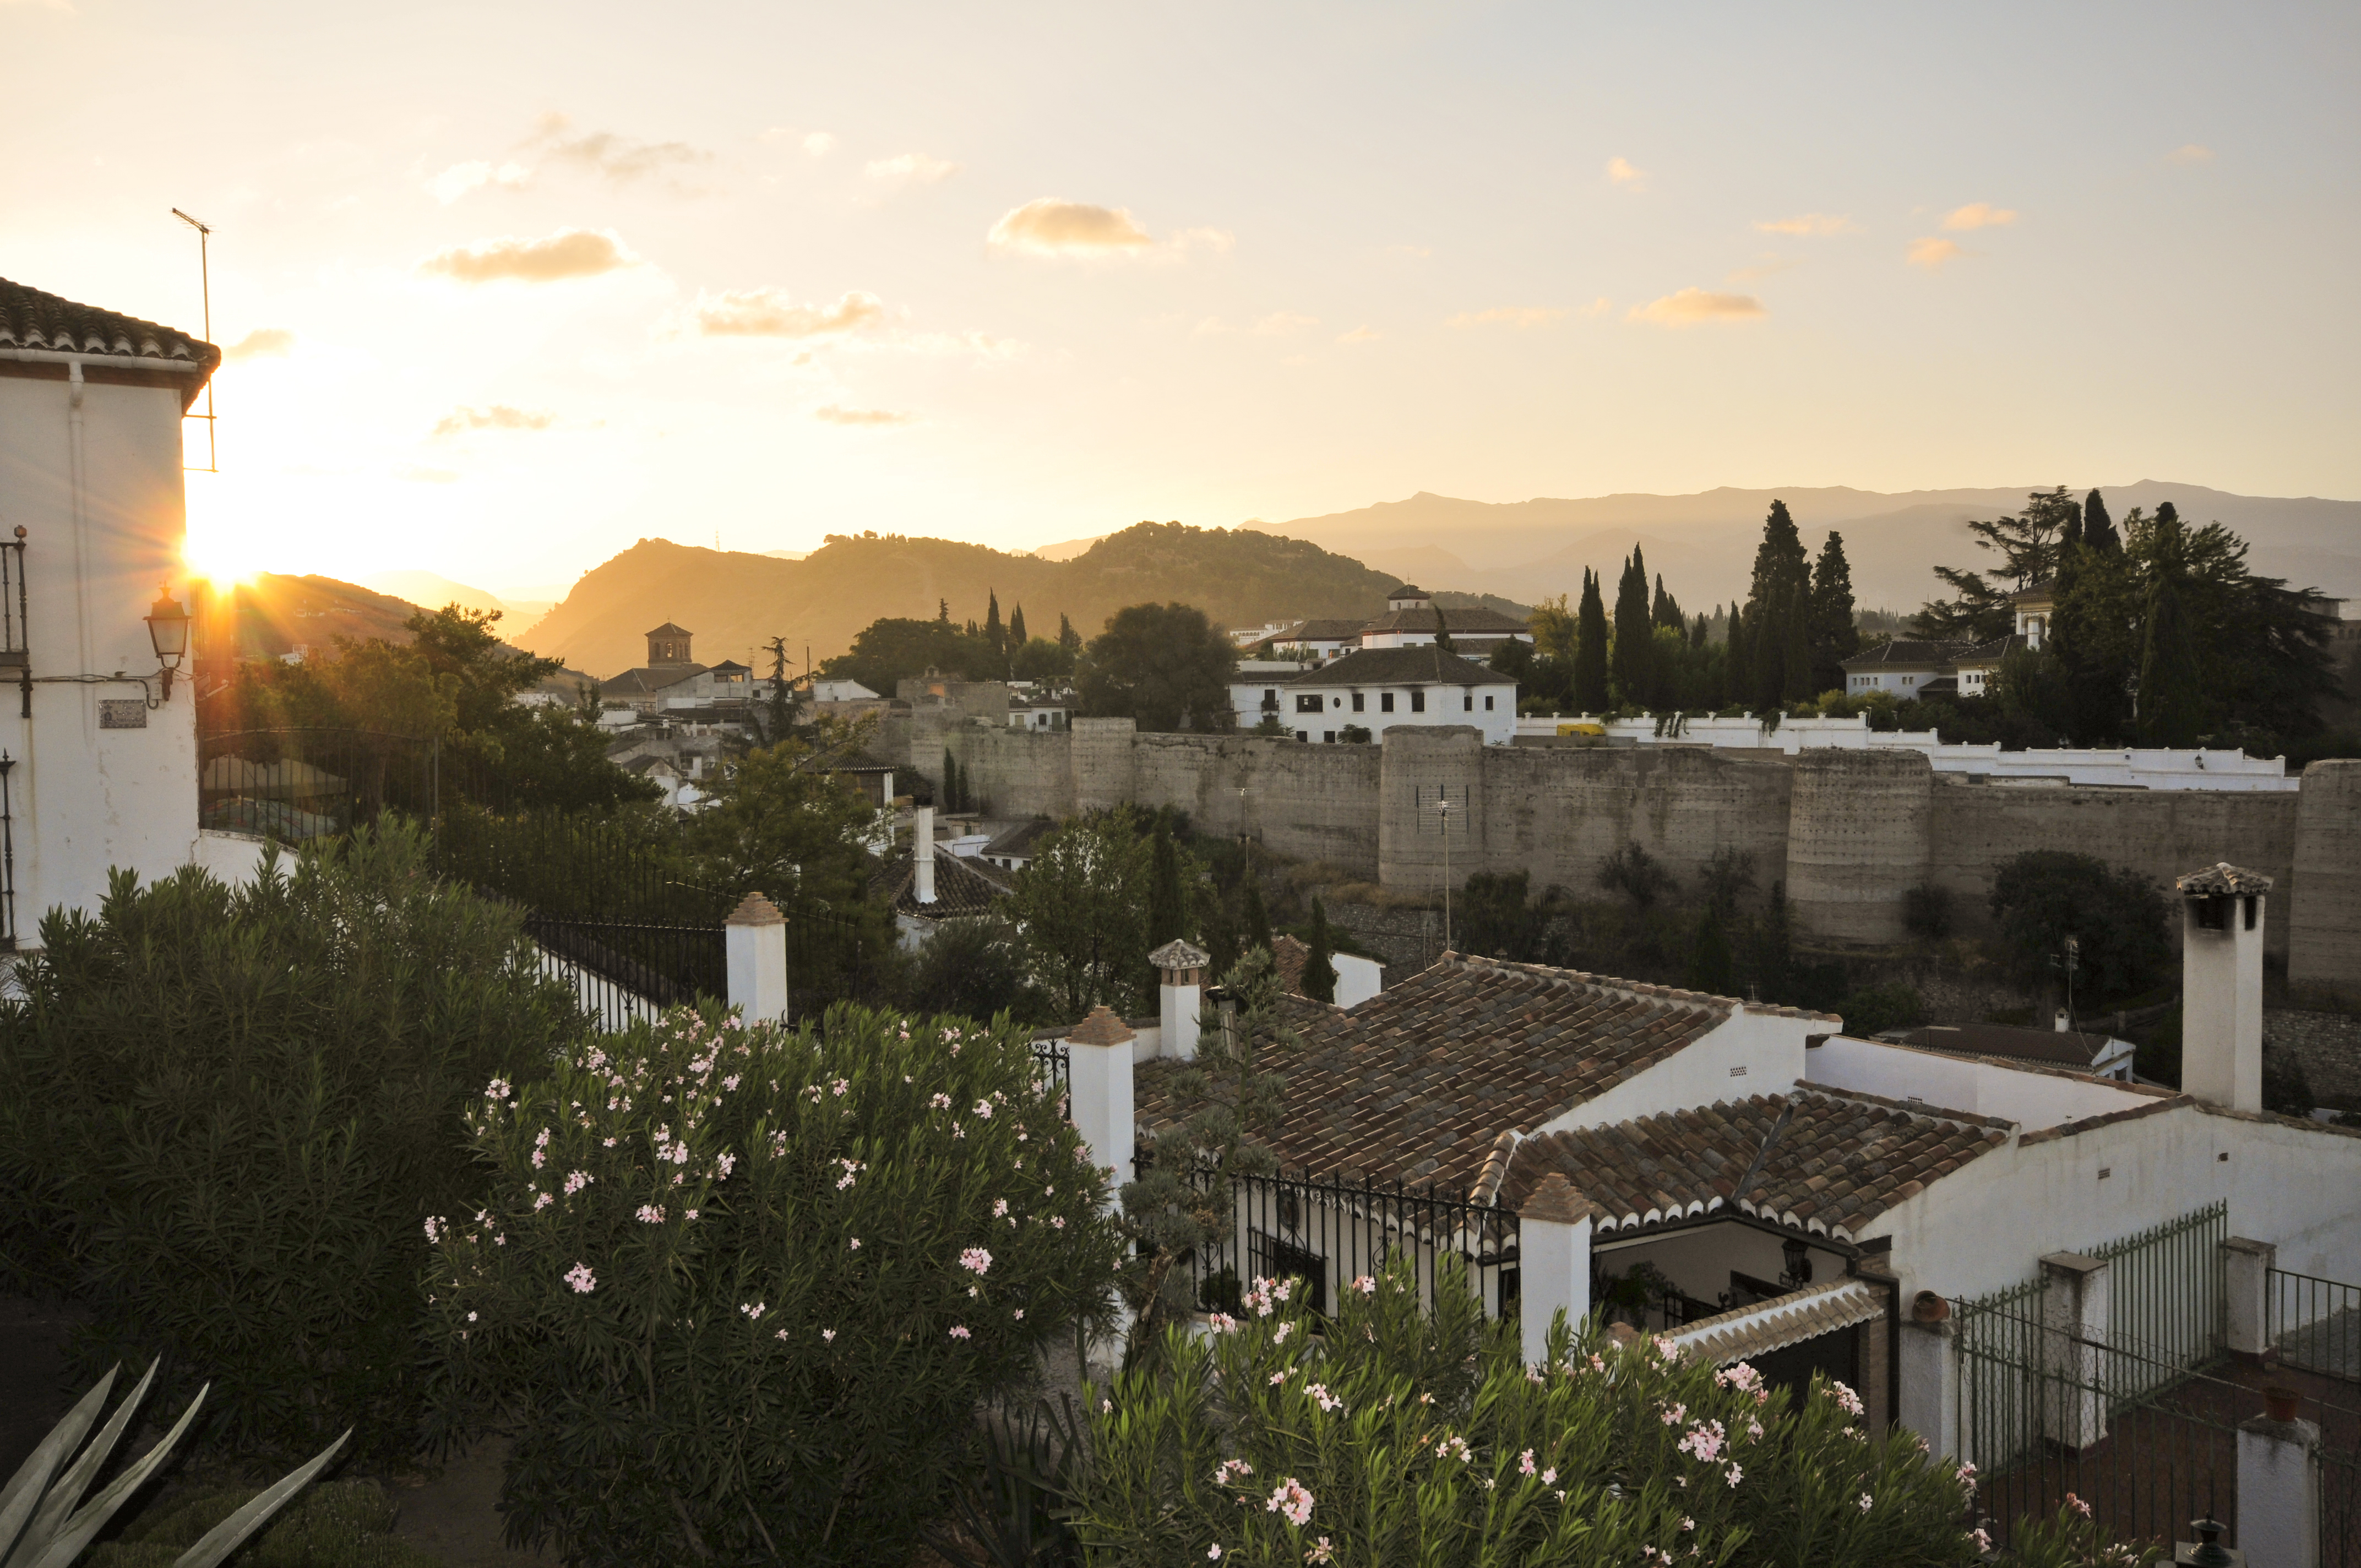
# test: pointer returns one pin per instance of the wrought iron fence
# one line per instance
(628, 972)
(1055, 1061)
(2314, 1323)
(1329, 1231)
(2166, 1290)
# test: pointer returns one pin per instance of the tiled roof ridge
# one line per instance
(1571, 978)
(2302, 1123)
(1766, 1326)
(1489, 1180)
(2222, 877)
(1907, 1107)
(2107, 1119)
(2023, 1064)
(34, 319)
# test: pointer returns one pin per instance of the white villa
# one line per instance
(1377, 689)
(1412, 620)
(1911, 669)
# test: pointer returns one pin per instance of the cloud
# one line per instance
(773, 313)
(461, 178)
(1979, 215)
(911, 168)
(1054, 226)
(1280, 323)
(1598, 307)
(1811, 222)
(2193, 153)
(262, 343)
(568, 253)
(1359, 335)
(1931, 253)
(615, 158)
(1517, 316)
(836, 414)
(817, 145)
(499, 416)
(1620, 172)
(1691, 307)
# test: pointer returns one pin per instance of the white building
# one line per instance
(1375, 690)
(97, 737)
(1412, 620)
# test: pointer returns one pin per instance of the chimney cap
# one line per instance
(1102, 1029)
(756, 910)
(1556, 1200)
(2221, 878)
(1179, 954)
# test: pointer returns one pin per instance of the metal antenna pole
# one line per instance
(1443, 810)
(205, 284)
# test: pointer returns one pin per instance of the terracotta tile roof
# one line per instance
(1468, 618)
(1823, 1163)
(1906, 652)
(1180, 953)
(1749, 1331)
(1288, 956)
(2222, 878)
(2067, 1047)
(1312, 631)
(1019, 840)
(1419, 1080)
(963, 887)
(649, 679)
(32, 319)
(1424, 665)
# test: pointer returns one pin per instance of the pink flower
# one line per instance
(650, 1214)
(497, 1090)
(827, 1334)
(959, 1331)
(856, 1244)
(1736, 1474)
(1321, 1553)
(1525, 1462)
(2078, 1504)
(1549, 1476)
(976, 1260)
(1291, 1502)
(999, 1207)
(1847, 1400)
(581, 1279)
(541, 1201)
(433, 1227)
(1213, 1553)
(1229, 1470)
(984, 1109)
(754, 1310)
(1321, 1397)
(576, 1181)
(1453, 1448)
(1366, 1286)
(1865, 1502)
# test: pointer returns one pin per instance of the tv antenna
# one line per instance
(206, 282)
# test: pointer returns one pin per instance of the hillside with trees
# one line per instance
(737, 603)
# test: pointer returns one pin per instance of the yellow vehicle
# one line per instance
(1582, 727)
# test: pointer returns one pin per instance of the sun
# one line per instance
(218, 549)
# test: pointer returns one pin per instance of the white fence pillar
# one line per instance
(2278, 1493)
(1553, 1262)
(1930, 1385)
(756, 936)
(2075, 1314)
(1099, 1073)
(2245, 1289)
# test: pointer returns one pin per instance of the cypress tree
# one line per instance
(1591, 649)
(1666, 609)
(1738, 665)
(1168, 912)
(1709, 966)
(1781, 585)
(1319, 966)
(2171, 697)
(1258, 932)
(2098, 528)
(1702, 632)
(1017, 638)
(950, 783)
(1796, 653)
(1633, 641)
(1835, 637)
(1443, 631)
(943, 612)
(1068, 637)
(991, 630)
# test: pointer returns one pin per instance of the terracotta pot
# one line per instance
(2282, 1404)
(1928, 1308)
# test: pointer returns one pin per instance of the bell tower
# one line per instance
(669, 644)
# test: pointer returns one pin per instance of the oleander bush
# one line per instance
(342, 1524)
(739, 1290)
(1391, 1434)
(223, 1113)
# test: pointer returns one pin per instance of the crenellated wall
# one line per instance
(1847, 832)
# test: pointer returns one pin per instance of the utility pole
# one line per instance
(206, 282)
(1443, 814)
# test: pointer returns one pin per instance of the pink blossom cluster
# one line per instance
(581, 1279)
(976, 1260)
(1229, 1470)
(1704, 1441)
(1291, 1502)
(1847, 1400)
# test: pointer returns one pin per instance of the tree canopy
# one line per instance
(1165, 665)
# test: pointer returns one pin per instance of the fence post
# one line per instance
(2278, 1493)
(1930, 1385)
(756, 939)
(2245, 1286)
(1553, 1262)
(2075, 1319)
(1098, 1073)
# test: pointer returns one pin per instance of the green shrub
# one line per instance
(341, 1524)
(1874, 1009)
(1389, 1435)
(739, 1290)
(1927, 911)
(224, 1113)
(2042, 896)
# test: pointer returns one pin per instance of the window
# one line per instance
(1418, 701)
(1488, 702)
(1328, 737)
(1467, 702)
(1310, 702)
(1385, 702)
(1335, 702)
(1357, 702)
(1303, 735)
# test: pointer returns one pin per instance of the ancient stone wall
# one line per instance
(2324, 952)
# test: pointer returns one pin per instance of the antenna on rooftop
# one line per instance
(206, 282)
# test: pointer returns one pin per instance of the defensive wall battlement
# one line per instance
(1847, 832)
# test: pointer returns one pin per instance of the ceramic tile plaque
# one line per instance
(122, 713)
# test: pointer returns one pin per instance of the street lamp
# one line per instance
(168, 629)
(1796, 1253)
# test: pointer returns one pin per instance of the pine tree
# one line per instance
(1168, 912)
(2098, 529)
(1319, 965)
(1068, 637)
(1634, 645)
(1258, 932)
(1834, 637)
(943, 612)
(1591, 649)
(1017, 638)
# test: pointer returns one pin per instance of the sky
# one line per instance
(506, 287)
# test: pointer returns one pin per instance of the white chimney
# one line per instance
(922, 854)
(2222, 985)
(2061, 1021)
(1180, 975)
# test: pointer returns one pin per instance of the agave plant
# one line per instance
(45, 1523)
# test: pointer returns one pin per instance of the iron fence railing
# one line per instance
(2166, 1289)
(1054, 1061)
(626, 972)
(2314, 1323)
(1330, 1231)
(16, 637)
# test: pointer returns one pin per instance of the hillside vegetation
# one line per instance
(735, 603)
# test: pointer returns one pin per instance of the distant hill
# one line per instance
(430, 588)
(733, 602)
(274, 614)
(1704, 545)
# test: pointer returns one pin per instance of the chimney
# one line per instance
(1180, 976)
(2062, 1021)
(2222, 985)
(922, 854)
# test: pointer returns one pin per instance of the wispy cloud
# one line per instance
(1620, 172)
(1359, 335)
(2193, 153)
(835, 413)
(1695, 307)
(818, 144)
(1282, 324)
(499, 416)
(1597, 307)
(568, 253)
(1931, 253)
(1517, 316)
(773, 313)
(911, 168)
(461, 178)
(1055, 226)
(1977, 215)
(618, 159)
(1810, 224)
(262, 343)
